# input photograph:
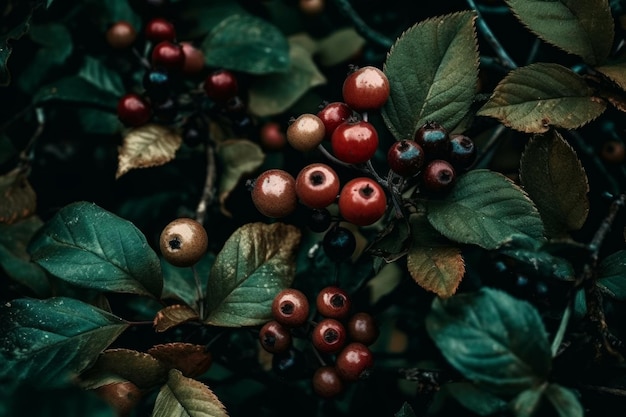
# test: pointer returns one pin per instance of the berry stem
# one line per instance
(318, 356)
(142, 60)
(208, 193)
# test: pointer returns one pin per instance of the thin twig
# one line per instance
(208, 193)
(363, 28)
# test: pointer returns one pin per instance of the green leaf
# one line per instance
(15, 260)
(75, 89)
(533, 98)
(433, 73)
(246, 43)
(526, 403)
(492, 339)
(485, 208)
(97, 74)
(198, 17)
(48, 342)
(93, 248)
(475, 399)
(256, 263)
(555, 180)
(405, 411)
(612, 275)
(275, 93)
(339, 47)
(392, 242)
(616, 72)
(108, 12)
(97, 121)
(180, 284)
(183, 396)
(583, 28)
(564, 401)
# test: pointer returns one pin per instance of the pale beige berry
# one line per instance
(306, 132)
(183, 242)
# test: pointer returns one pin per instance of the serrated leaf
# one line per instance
(616, 72)
(186, 397)
(256, 262)
(583, 28)
(246, 43)
(18, 197)
(405, 411)
(433, 73)
(48, 342)
(140, 368)
(90, 247)
(274, 93)
(475, 399)
(485, 208)
(533, 98)
(433, 262)
(564, 401)
(526, 403)
(239, 157)
(612, 275)
(147, 146)
(339, 46)
(555, 180)
(172, 316)
(492, 338)
(191, 360)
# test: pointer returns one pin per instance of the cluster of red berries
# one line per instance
(338, 332)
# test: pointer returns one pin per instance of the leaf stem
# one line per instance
(208, 193)
(558, 338)
(200, 301)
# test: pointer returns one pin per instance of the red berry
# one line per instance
(290, 308)
(274, 337)
(121, 35)
(405, 158)
(194, 59)
(362, 201)
(362, 328)
(317, 185)
(326, 382)
(272, 136)
(159, 30)
(366, 88)
(434, 140)
(274, 193)
(306, 132)
(354, 361)
(168, 55)
(332, 115)
(333, 302)
(354, 142)
(221, 85)
(439, 176)
(328, 336)
(133, 110)
(462, 152)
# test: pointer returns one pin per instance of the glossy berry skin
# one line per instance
(194, 59)
(121, 35)
(183, 242)
(122, 396)
(320, 220)
(613, 152)
(328, 336)
(157, 84)
(339, 243)
(159, 30)
(274, 337)
(405, 158)
(366, 88)
(362, 328)
(306, 132)
(362, 201)
(326, 382)
(332, 115)
(317, 185)
(169, 56)
(274, 193)
(354, 361)
(290, 307)
(272, 136)
(434, 140)
(462, 152)
(438, 176)
(354, 142)
(333, 302)
(133, 110)
(221, 86)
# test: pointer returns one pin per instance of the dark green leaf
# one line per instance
(97, 121)
(475, 399)
(182, 396)
(612, 275)
(392, 242)
(405, 411)
(533, 98)
(540, 263)
(339, 46)
(93, 248)
(492, 339)
(180, 284)
(526, 403)
(433, 72)
(48, 342)
(564, 401)
(583, 28)
(75, 89)
(256, 262)
(199, 17)
(555, 180)
(94, 72)
(248, 44)
(485, 208)
(68, 401)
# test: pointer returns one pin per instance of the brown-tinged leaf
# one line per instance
(192, 360)
(339, 46)
(433, 261)
(555, 180)
(172, 316)
(616, 72)
(239, 157)
(186, 397)
(147, 146)
(140, 368)
(18, 197)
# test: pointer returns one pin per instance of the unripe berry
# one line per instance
(183, 242)
(306, 132)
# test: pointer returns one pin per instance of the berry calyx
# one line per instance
(290, 307)
(462, 152)
(306, 132)
(221, 85)
(366, 88)
(159, 30)
(434, 140)
(405, 158)
(169, 56)
(274, 337)
(438, 176)
(317, 185)
(332, 115)
(339, 243)
(354, 142)
(121, 35)
(362, 201)
(326, 382)
(183, 242)
(354, 362)
(274, 193)
(333, 302)
(133, 110)
(362, 328)
(194, 59)
(328, 336)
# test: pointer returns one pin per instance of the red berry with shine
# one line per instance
(362, 328)
(194, 59)
(462, 152)
(121, 35)
(221, 85)
(354, 361)
(290, 307)
(354, 142)
(405, 158)
(438, 176)
(274, 337)
(326, 382)
(328, 336)
(366, 88)
(362, 201)
(168, 55)
(333, 114)
(274, 193)
(272, 136)
(133, 110)
(317, 185)
(159, 30)
(434, 140)
(333, 302)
